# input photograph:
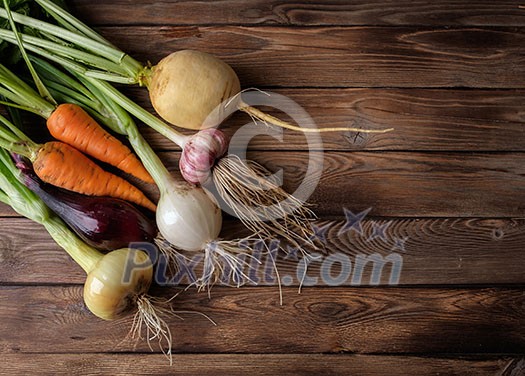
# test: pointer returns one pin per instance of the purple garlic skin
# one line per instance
(200, 154)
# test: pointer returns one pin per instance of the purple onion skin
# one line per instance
(104, 223)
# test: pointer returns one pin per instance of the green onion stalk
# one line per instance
(176, 77)
(117, 283)
(260, 203)
(188, 218)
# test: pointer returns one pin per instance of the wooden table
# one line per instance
(445, 192)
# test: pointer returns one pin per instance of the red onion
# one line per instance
(104, 223)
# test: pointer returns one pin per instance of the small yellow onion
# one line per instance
(116, 281)
(190, 89)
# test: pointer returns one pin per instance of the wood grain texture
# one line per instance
(236, 365)
(432, 252)
(311, 12)
(515, 367)
(399, 184)
(250, 320)
(344, 57)
(410, 184)
(445, 188)
(424, 120)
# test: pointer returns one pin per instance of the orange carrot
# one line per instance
(64, 166)
(69, 123)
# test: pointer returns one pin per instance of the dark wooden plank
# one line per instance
(424, 120)
(431, 119)
(400, 184)
(409, 184)
(434, 252)
(29, 254)
(485, 50)
(287, 12)
(345, 57)
(256, 364)
(250, 320)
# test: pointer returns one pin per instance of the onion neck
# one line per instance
(83, 254)
(144, 76)
(134, 68)
(150, 160)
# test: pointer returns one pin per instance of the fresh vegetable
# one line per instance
(70, 124)
(261, 204)
(116, 284)
(63, 166)
(241, 186)
(187, 217)
(190, 89)
(104, 223)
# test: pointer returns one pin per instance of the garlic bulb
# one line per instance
(200, 153)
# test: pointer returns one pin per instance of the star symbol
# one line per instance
(378, 231)
(400, 244)
(353, 221)
(319, 233)
(291, 253)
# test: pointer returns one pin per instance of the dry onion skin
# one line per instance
(190, 89)
(117, 283)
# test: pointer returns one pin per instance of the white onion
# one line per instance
(187, 217)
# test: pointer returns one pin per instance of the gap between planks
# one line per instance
(268, 364)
